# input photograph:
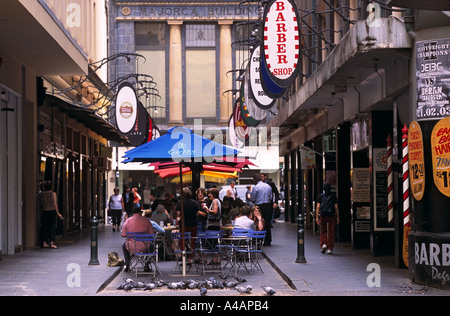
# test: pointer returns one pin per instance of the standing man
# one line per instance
(234, 193)
(262, 197)
(275, 192)
(128, 201)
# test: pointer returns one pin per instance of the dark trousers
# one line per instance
(48, 222)
(116, 216)
(266, 212)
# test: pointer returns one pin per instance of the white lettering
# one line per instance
(374, 279)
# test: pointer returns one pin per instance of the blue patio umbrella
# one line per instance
(180, 144)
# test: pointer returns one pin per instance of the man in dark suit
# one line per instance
(128, 201)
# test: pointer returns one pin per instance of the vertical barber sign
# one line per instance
(281, 45)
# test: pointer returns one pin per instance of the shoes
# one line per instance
(330, 251)
(324, 248)
(126, 268)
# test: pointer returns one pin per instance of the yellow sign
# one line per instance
(416, 160)
(440, 149)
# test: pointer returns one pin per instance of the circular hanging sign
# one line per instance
(269, 86)
(416, 160)
(440, 149)
(126, 108)
(139, 133)
(246, 117)
(260, 98)
(256, 112)
(241, 130)
(281, 45)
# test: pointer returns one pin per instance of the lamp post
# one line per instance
(300, 239)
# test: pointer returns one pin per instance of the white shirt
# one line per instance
(244, 222)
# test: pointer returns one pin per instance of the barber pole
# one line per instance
(406, 219)
(390, 181)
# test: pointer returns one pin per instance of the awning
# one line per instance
(89, 118)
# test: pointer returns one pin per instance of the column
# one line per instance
(175, 75)
(226, 64)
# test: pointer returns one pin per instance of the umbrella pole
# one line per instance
(183, 246)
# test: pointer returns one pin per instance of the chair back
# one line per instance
(144, 242)
(240, 232)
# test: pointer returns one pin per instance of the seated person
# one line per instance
(161, 215)
(156, 227)
(136, 223)
(244, 221)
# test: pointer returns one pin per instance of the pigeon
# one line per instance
(240, 279)
(175, 285)
(231, 284)
(203, 291)
(128, 287)
(150, 287)
(128, 280)
(269, 290)
(140, 285)
(244, 289)
(223, 276)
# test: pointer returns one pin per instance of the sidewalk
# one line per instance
(51, 272)
(342, 273)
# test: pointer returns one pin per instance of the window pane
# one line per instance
(150, 35)
(200, 35)
(201, 83)
(155, 66)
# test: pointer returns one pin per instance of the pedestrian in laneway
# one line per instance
(327, 216)
(116, 207)
(262, 196)
(49, 207)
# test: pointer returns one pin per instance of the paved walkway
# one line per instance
(65, 271)
(345, 272)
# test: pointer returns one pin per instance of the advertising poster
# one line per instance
(433, 86)
(440, 152)
(416, 160)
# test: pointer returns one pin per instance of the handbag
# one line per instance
(114, 259)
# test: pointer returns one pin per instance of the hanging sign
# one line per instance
(260, 98)
(241, 130)
(440, 152)
(246, 117)
(271, 89)
(281, 45)
(139, 133)
(256, 112)
(126, 108)
(416, 160)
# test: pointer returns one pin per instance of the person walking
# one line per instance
(128, 201)
(262, 197)
(116, 208)
(327, 216)
(49, 207)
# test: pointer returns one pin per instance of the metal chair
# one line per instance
(209, 246)
(177, 237)
(145, 253)
(250, 253)
(231, 244)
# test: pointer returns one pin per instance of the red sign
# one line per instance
(281, 45)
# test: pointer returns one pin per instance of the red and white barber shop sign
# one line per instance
(281, 45)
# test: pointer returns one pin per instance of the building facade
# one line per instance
(50, 126)
(193, 51)
(356, 92)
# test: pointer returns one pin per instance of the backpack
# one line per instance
(114, 259)
(326, 205)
